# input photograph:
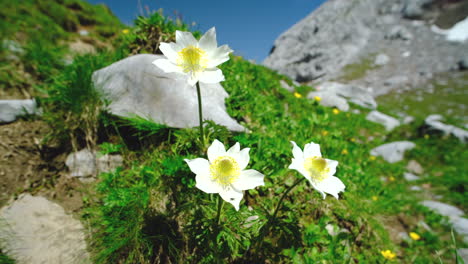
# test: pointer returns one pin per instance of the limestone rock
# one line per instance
(463, 253)
(134, 86)
(10, 110)
(394, 151)
(434, 123)
(399, 32)
(443, 209)
(286, 86)
(85, 164)
(410, 176)
(381, 59)
(387, 121)
(353, 93)
(330, 99)
(414, 167)
(39, 231)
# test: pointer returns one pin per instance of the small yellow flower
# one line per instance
(126, 31)
(414, 236)
(391, 178)
(297, 95)
(344, 152)
(317, 98)
(388, 254)
(336, 111)
(353, 140)
(372, 158)
(426, 136)
(375, 198)
(324, 133)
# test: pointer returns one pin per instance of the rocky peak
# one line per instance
(342, 32)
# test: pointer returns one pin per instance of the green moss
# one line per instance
(357, 70)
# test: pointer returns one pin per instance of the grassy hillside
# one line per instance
(149, 211)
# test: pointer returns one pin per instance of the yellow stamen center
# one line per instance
(317, 168)
(224, 170)
(192, 59)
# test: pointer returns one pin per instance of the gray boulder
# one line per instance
(414, 9)
(387, 121)
(410, 176)
(330, 99)
(35, 230)
(134, 86)
(393, 152)
(286, 86)
(399, 32)
(86, 164)
(381, 59)
(442, 208)
(434, 123)
(352, 93)
(10, 110)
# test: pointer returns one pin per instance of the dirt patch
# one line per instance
(28, 166)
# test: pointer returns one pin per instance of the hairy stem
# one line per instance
(200, 114)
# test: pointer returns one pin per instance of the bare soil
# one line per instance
(26, 165)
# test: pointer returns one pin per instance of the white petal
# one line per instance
(243, 158)
(211, 76)
(297, 152)
(249, 179)
(298, 165)
(170, 51)
(331, 185)
(205, 184)
(218, 56)
(167, 66)
(192, 79)
(312, 150)
(198, 166)
(332, 164)
(185, 39)
(234, 150)
(208, 41)
(231, 196)
(315, 187)
(215, 150)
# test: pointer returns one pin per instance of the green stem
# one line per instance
(266, 228)
(220, 207)
(284, 195)
(200, 113)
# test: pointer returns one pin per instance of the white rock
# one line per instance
(459, 32)
(460, 225)
(408, 120)
(416, 188)
(443, 209)
(83, 32)
(286, 86)
(84, 164)
(330, 99)
(387, 121)
(10, 110)
(434, 122)
(463, 253)
(414, 167)
(135, 86)
(353, 93)
(393, 152)
(381, 59)
(410, 176)
(39, 231)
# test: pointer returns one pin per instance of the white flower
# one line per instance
(224, 172)
(197, 59)
(317, 170)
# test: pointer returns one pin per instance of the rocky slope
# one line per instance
(379, 44)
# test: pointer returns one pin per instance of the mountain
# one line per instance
(382, 45)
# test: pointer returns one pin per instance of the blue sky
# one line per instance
(249, 27)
